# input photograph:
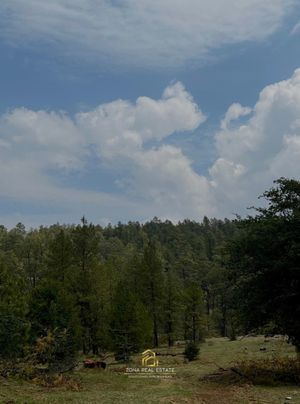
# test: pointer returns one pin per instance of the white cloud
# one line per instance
(235, 111)
(165, 177)
(266, 147)
(254, 146)
(52, 138)
(148, 33)
(121, 128)
(38, 149)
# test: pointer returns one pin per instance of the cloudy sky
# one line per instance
(129, 109)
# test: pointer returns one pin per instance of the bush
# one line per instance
(191, 351)
(56, 351)
(52, 354)
(122, 355)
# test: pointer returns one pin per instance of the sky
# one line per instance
(124, 110)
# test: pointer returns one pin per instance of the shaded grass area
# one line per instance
(188, 386)
(270, 371)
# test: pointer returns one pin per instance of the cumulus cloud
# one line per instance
(39, 148)
(254, 146)
(121, 128)
(151, 33)
(234, 112)
(266, 147)
(52, 138)
(166, 177)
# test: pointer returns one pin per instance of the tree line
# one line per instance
(126, 287)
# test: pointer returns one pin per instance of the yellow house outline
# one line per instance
(149, 358)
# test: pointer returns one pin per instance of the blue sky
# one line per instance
(114, 109)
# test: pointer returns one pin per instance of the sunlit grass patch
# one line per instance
(113, 386)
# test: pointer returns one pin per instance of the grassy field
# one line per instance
(188, 386)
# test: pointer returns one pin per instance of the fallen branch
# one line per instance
(238, 372)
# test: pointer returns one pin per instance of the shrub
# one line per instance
(56, 351)
(122, 355)
(191, 351)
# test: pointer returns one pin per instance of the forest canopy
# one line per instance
(126, 287)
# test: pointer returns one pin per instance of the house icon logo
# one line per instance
(149, 358)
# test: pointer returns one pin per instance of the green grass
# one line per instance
(113, 386)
